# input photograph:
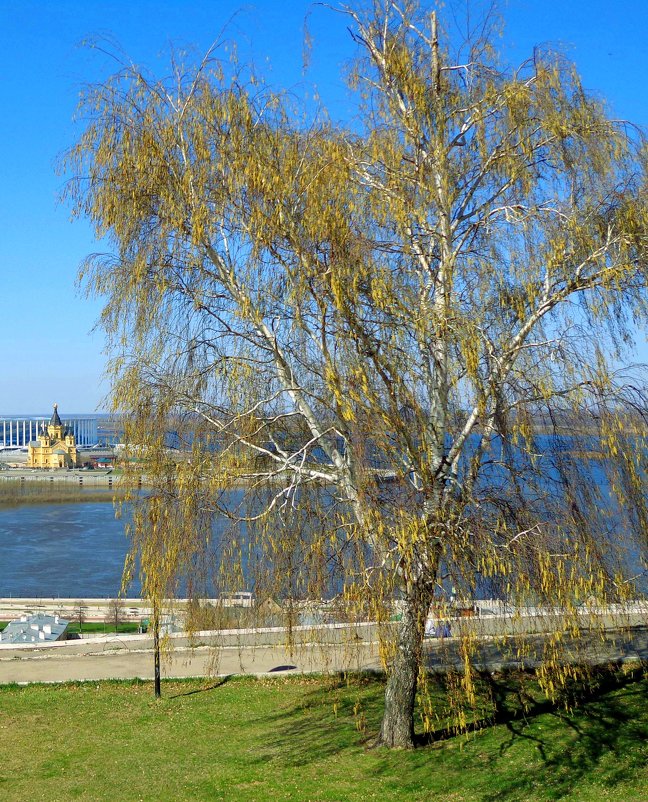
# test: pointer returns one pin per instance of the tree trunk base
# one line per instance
(392, 742)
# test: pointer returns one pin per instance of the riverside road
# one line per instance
(314, 649)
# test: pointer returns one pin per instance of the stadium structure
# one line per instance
(17, 431)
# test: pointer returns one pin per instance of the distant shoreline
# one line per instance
(16, 491)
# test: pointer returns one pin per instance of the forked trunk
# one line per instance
(397, 730)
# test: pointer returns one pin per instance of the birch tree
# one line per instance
(411, 324)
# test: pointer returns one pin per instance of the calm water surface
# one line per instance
(68, 550)
(77, 549)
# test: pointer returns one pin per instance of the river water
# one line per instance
(77, 550)
(70, 550)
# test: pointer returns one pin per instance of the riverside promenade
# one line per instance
(500, 641)
(98, 477)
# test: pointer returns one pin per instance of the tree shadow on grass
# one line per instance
(511, 700)
(327, 720)
(568, 745)
(211, 687)
(592, 730)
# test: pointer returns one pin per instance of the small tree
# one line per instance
(115, 614)
(80, 613)
(408, 327)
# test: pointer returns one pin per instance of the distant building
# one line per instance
(104, 462)
(39, 628)
(16, 431)
(55, 448)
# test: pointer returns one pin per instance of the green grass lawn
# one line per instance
(308, 738)
(99, 627)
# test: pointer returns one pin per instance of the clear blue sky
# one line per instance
(47, 349)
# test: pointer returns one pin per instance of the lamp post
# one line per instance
(156, 647)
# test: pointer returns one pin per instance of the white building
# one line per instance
(39, 628)
(17, 431)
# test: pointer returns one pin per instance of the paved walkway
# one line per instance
(127, 658)
(124, 663)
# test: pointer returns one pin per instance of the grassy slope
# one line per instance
(304, 739)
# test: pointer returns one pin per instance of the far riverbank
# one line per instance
(29, 486)
(16, 492)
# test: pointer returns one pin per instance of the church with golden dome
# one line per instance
(55, 447)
